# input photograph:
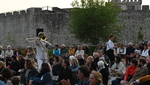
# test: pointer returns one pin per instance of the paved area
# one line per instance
(110, 80)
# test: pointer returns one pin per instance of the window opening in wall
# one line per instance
(39, 30)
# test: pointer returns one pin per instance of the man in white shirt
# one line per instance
(110, 48)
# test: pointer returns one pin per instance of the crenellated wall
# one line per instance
(12, 28)
(16, 26)
(134, 19)
(129, 4)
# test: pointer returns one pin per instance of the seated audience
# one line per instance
(65, 73)
(121, 50)
(90, 63)
(1, 54)
(56, 67)
(30, 53)
(1, 65)
(79, 51)
(28, 72)
(145, 52)
(83, 73)
(96, 58)
(145, 80)
(21, 61)
(129, 73)
(86, 51)
(98, 49)
(17, 52)
(95, 78)
(118, 68)
(15, 80)
(14, 65)
(80, 60)
(74, 65)
(63, 51)
(43, 78)
(71, 50)
(8, 55)
(56, 50)
(103, 71)
(129, 50)
(6, 75)
(140, 72)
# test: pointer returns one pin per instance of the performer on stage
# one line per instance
(41, 49)
(110, 48)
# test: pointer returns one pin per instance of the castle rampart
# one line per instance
(16, 26)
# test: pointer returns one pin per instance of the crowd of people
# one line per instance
(75, 65)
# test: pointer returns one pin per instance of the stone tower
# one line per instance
(129, 4)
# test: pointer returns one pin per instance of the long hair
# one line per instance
(98, 76)
(44, 69)
(6, 73)
(29, 64)
(74, 62)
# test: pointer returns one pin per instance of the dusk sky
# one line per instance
(12, 5)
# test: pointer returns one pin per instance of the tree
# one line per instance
(94, 20)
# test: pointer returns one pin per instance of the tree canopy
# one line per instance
(94, 20)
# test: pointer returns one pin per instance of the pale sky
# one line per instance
(12, 5)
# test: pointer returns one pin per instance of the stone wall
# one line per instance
(134, 19)
(16, 26)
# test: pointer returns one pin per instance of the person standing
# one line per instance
(110, 48)
(41, 49)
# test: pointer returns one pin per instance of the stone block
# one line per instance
(2, 15)
(145, 7)
(15, 13)
(8, 14)
(22, 12)
(34, 10)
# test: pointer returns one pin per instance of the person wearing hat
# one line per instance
(8, 54)
(41, 49)
(63, 51)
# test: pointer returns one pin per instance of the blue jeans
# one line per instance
(116, 82)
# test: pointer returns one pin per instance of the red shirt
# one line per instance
(130, 71)
(25, 52)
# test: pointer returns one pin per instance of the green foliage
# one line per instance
(10, 39)
(50, 52)
(91, 50)
(94, 20)
(140, 33)
(22, 51)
